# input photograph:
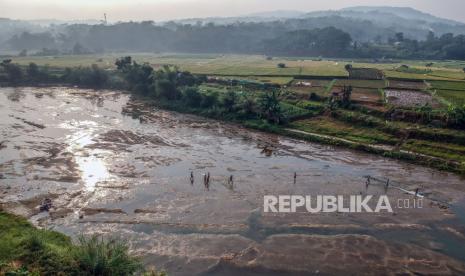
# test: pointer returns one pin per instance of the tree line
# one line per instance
(272, 38)
(168, 85)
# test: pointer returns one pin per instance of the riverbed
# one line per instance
(116, 166)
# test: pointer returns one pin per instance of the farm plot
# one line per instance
(362, 83)
(407, 98)
(330, 126)
(368, 95)
(448, 85)
(453, 97)
(410, 85)
(306, 87)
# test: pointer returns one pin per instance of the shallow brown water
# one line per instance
(128, 176)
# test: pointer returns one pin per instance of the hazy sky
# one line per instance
(159, 10)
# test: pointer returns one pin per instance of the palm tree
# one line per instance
(271, 107)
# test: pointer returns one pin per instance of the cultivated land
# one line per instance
(241, 65)
(400, 116)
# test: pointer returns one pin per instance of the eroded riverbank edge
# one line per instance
(315, 137)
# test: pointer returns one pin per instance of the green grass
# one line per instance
(273, 80)
(453, 97)
(291, 111)
(31, 251)
(448, 85)
(256, 65)
(436, 149)
(362, 83)
(329, 126)
(211, 87)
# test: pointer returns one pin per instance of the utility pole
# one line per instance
(104, 19)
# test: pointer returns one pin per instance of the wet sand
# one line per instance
(116, 166)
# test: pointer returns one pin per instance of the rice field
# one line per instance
(452, 97)
(254, 65)
(445, 79)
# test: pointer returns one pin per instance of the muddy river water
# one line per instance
(118, 167)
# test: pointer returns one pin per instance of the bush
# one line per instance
(229, 100)
(192, 97)
(13, 72)
(93, 76)
(209, 100)
(25, 250)
(97, 256)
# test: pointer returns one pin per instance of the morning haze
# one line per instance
(160, 10)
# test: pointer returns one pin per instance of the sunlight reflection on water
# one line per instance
(93, 169)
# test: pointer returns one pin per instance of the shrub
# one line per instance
(209, 99)
(13, 72)
(97, 256)
(25, 250)
(93, 76)
(229, 100)
(192, 97)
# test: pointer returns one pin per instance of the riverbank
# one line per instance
(26, 250)
(443, 161)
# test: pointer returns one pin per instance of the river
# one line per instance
(118, 167)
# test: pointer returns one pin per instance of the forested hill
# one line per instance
(356, 32)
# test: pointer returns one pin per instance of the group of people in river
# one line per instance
(206, 180)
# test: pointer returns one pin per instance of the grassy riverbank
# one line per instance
(26, 250)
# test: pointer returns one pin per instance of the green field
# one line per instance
(255, 65)
(453, 97)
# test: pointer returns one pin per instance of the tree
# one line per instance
(78, 49)
(326, 41)
(229, 100)
(209, 99)
(430, 37)
(13, 71)
(455, 116)
(281, 65)
(139, 77)
(166, 83)
(192, 97)
(98, 77)
(249, 104)
(186, 79)
(23, 53)
(346, 94)
(33, 72)
(123, 63)
(270, 106)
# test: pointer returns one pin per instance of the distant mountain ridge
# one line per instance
(405, 12)
(363, 23)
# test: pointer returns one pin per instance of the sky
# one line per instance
(162, 10)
